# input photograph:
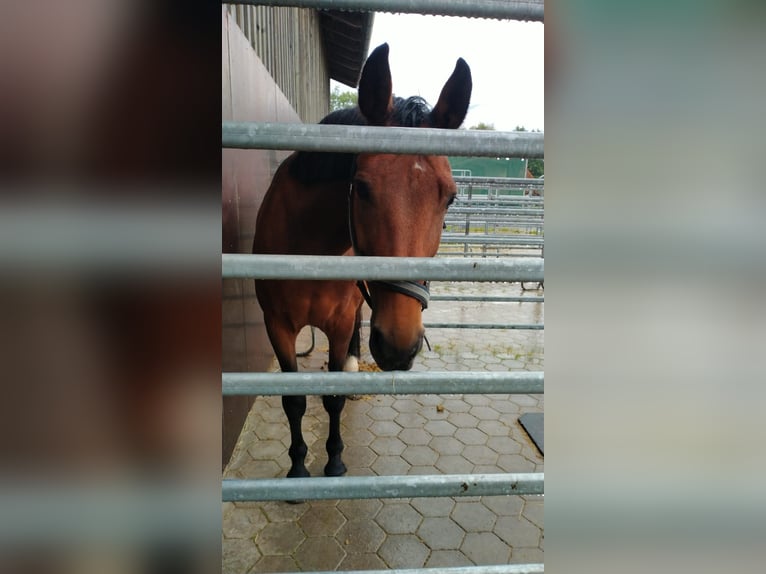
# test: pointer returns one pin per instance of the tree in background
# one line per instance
(483, 126)
(342, 99)
(535, 166)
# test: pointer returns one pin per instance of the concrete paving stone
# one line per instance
(513, 364)
(406, 405)
(275, 564)
(410, 420)
(361, 536)
(280, 538)
(434, 506)
(434, 413)
(533, 511)
(525, 400)
(266, 449)
(423, 470)
(383, 400)
(514, 463)
(517, 532)
(474, 364)
(359, 509)
(403, 551)
(447, 558)
(239, 555)
(527, 556)
(497, 368)
(463, 419)
(487, 469)
(321, 553)
(485, 412)
(278, 511)
(489, 359)
(434, 364)
(485, 548)
(266, 431)
(415, 437)
(469, 355)
(388, 445)
(440, 533)
(359, 456)
(471, 436)
(473, 516)
(455, 405)
(480, 455)
(259, 469)
(243, 523)
(398, 518)
(456, 367)
(428, 400)
(382, 413)
(357, 437)
(368, 561)
(390, 466)
(477, 400)
(504, 505)
(506, 407)
(385, 428)
(440, 428)
(447, 445)
(493, 428)
(453, 464)
(322, 519)
(420, 455)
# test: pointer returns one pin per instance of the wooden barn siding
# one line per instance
(289, 43)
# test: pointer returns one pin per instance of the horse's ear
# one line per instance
(375, 87)
(449, 112)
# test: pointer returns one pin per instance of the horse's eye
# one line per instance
(451, 200)
(362, 189)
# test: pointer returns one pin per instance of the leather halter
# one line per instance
(416, 289)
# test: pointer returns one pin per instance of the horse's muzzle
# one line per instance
(389, 357)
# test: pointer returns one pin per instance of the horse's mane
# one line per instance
(319, 167)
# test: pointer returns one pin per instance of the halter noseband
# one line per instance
(415, 289)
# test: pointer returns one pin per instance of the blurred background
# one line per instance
(109, 282)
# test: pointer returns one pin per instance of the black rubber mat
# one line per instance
(533, 424)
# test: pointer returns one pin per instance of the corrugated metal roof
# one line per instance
(346, 37)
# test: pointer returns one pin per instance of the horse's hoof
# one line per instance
(335, 469)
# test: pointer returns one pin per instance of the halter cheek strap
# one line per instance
(415, 289)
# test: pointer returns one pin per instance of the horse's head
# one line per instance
(398, 202)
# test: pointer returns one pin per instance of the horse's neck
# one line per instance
(313, 219)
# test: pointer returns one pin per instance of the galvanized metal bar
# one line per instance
(363, 139)
(379, 383)
(496, 326)
(479, 210)
(491, 569)
(479, 181)
(344, 487)
(492, 239)
(376, 268)
(529, 10)
(488, 298)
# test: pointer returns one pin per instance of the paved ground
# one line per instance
(385, 435)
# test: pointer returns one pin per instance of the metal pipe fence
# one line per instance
(379, 383)
(360, 139)
(373, 139)
(524, 10)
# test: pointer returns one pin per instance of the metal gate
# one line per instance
(356, 139)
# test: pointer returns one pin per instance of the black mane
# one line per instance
(319, 167)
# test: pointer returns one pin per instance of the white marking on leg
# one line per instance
(351, 365)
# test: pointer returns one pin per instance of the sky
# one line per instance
(505, 57)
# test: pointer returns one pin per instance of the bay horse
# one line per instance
(363, 204)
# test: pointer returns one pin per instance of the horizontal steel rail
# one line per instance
(376, 268)
(462, 209)
(524, 10)
(511, 182)
(344, 487)
(488, 298)
(492, 569)
(380, 383)
(497, 239)
(369, 139)
(495, 326)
